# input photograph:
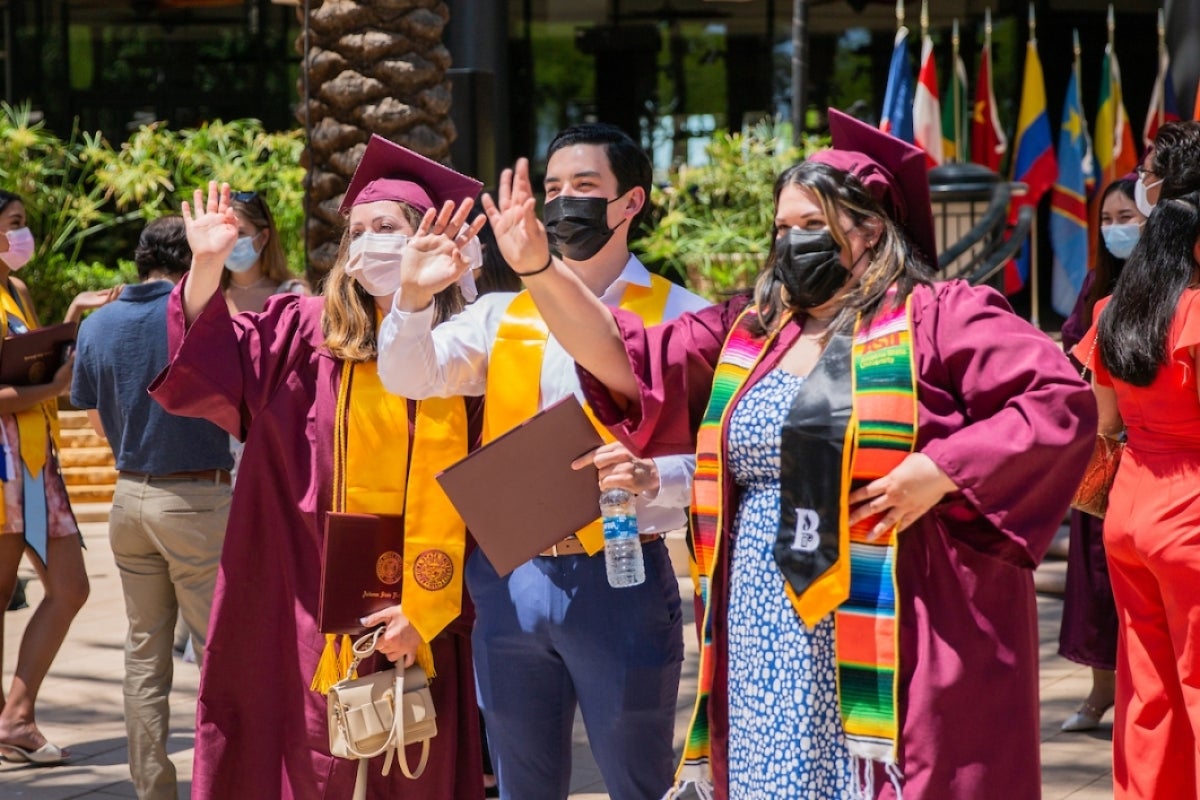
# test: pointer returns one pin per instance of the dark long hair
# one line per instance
(892, 261)
(1134, 326)
(1108, 266)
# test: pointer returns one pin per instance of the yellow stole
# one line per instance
(371, 434)
(515, 370)
(32, 422)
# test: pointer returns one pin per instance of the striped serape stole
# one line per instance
(885, 413)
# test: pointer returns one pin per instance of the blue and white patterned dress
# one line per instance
(785, 734)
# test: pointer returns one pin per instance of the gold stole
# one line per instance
(370, 436)
(515, 370)
(32, 422)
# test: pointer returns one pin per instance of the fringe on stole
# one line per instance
(863, 778)
(693, 783)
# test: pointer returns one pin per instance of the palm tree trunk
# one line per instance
(374, 66)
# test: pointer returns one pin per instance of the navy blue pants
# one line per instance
(554, 634)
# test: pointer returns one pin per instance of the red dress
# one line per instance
(1152, 535)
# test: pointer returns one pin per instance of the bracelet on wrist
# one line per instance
(540, 270)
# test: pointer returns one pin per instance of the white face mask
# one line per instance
(20, 248)
(375, 262)
(1144, 206)
(473, 253)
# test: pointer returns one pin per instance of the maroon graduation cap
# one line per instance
(893, 171)
(388, 171)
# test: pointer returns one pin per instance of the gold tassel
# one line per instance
(425, 659)
(327, 668)
(346, 659)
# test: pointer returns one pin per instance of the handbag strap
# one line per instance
(362, 649)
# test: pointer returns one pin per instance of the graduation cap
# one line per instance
(891, 169)
(388, 171)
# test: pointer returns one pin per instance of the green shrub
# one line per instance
(713, 222)
(88, 201)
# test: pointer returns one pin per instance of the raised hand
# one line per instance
(433, 259)
(519, 233)
(211, 233)
(212, 229)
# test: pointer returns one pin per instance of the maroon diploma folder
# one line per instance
(28, 359)
(518, 494)
(361, 569)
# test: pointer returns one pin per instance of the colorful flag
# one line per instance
(1115, 151)
(1163, 106)
(897, 116)
(1033, 156)
(1068, 203)
(988, 142)
(927, 111)
(954, 114)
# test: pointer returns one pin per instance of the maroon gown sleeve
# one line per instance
(1013, 424)
(225, 368)
(673, 364)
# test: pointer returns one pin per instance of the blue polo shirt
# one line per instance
(121, 348)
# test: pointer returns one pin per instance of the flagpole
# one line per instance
(1034, 294)
(1161, 110)
(955, 98)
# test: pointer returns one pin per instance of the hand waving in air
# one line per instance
(519, 233)
(212, 227)
(433, 258)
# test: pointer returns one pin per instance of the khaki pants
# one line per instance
(166, 538)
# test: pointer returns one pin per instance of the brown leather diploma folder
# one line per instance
(518, 494)
(361, 569)
(28, 359)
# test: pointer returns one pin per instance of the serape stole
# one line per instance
(882, 433)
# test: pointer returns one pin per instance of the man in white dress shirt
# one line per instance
(553, 634)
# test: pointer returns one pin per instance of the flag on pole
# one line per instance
(988, 142)
(954, 143)
(1068, 202)
(1163, 106)
(1034, 163)
(1115, 151)
(927, 110)
(897, 116)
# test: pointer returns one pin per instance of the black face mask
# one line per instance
(809, 265)
(577, 227)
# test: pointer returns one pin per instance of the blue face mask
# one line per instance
(1121, 239)
(243, 256)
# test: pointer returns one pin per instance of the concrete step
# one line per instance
(91, 511)
(76, 456)
(91, 493)
(81, 437)
(89, 476)
(72, 420)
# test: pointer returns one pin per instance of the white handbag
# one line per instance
(363, 718)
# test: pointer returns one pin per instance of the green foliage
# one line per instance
(87, 201)
(714, 221)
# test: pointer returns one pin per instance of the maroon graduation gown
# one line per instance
(1003, 413)
(261, 732)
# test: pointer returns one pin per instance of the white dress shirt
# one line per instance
(419, 361)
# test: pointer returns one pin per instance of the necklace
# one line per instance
(260, 282)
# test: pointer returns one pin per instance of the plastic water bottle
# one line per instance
(622, 547)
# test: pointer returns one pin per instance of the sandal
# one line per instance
(48, 755)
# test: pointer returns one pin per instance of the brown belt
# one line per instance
(207, 475)
(571, 546)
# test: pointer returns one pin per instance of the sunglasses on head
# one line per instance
(243, 197)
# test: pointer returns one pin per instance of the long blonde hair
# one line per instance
(348, 318)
